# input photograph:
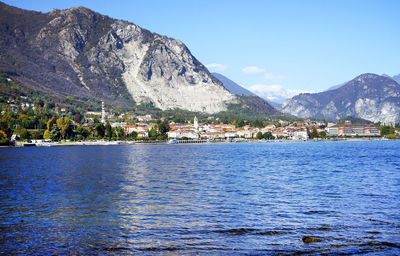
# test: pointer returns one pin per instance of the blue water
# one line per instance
(210, 199)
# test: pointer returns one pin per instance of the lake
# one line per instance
(306, 198)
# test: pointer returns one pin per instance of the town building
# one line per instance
(353, 130)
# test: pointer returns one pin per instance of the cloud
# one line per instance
(273, 77)
(216, 66)
(274, 92)
(253, 69)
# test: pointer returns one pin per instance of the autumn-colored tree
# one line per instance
(314, 133)
(78, 117)
(3, 135)
(50, 123)
(63, 124)
(46, 135)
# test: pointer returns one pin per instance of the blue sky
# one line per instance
(269, 46)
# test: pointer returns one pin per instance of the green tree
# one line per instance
(108, 130)
(322, 134)
(257, 123)
(268, 136)
(37, 134)
(241, 123)
(179, 119)
(386, 130)
(259, 135)
(153, 133)
(22, 133)
(133, 135)
(120, 132)
(99, 130)
(163, 127)
(82, 131)
(55, 133)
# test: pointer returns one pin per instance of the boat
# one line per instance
(29, 145)
(173, 142)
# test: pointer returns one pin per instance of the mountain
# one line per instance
(236, 89)
(86, 55)
(396, 78)
(368, 96)
(231, 86)
(275, 104)
(335, 87)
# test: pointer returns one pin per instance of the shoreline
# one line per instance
(123, 142)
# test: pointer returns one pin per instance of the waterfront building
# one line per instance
(351, 130)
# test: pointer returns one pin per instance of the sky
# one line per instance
(274, 48)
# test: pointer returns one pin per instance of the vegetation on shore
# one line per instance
(32, 115)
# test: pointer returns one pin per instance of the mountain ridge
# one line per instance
(231, 86)
(81, 53)
(368, 96)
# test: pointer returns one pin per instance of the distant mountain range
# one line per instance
(231, 86)
(397, 78)
(236, 89)
(81, 53)
(369, 96)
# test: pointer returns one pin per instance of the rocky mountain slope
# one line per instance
(368, 96)
(397, 78)
(81, 53)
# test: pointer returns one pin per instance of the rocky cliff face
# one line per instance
(78, 52)
(368, 96)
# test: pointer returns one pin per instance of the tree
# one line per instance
(259, 135)
(46, 135)
(153, 133)
(120, 132)
(84, 132)
(78, 118)
(99, 130)
(179, 119)
(268, 136)
(50, 123)
(63, 124)
(133, 135)
(23, 133)
(55, 133)
(3, 137)
(37, 134)
(257, 123)
(314, 133)
(322, 134)
(163, 127)
(386, 130)
(108, 130)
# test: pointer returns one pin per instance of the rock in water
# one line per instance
(309, 239)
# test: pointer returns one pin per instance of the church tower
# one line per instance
(196, 123)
